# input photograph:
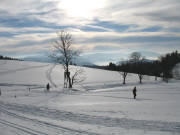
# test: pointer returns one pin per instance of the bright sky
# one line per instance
(106, 30)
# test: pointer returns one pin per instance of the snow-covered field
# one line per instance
(100, 105)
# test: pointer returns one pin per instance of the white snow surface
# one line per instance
(101, 105)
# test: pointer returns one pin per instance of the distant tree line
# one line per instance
(7, 58)
(139, 65)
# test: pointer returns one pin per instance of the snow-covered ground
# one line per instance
(100, 105)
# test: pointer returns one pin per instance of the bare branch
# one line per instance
(78, 76)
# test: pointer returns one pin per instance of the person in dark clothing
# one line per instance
(48, 87)
(134, 92)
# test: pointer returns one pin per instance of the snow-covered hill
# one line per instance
(101, 105)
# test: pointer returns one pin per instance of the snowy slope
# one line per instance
(101, 106)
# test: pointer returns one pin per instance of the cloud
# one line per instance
(99, 26)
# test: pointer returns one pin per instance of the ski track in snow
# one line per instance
(22, 128)
(90, 86)
(44, 124)
(93, 120)
(33, 86)
(48, 75)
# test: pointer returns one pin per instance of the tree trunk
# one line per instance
(124, 80)
(124, 77)
(70, 84)
(69, 79)
(140, 78)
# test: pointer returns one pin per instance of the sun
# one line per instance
(81, 8)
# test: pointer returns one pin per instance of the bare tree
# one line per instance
(64, 54)
(123, 70)
(140, 77)
(124, 75)
(137, 59)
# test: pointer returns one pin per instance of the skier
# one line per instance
(134, 92)
(47, 87)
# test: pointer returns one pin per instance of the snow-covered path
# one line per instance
(35, 126)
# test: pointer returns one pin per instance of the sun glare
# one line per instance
(81, 8)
